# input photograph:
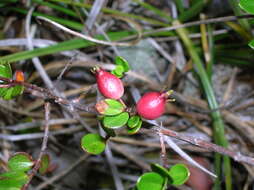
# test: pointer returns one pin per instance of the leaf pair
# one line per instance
(122, 66)
(114, 113)
(161, 177)
(116, 117)
(134, 124)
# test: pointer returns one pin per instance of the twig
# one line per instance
(59, 78)
(39, 135)
(36, 61)
(163, 154)
(43, 147)
(237, 156)
(113, 168)
(46, 94)
(94, 12)
(137, 27)
(206, 21)
(20, 111)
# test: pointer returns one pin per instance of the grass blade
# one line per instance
(62, 46)
(218, 125)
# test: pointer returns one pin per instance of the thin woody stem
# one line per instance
(237, 156)
(46, 94)
(163, 153)
(43, 147)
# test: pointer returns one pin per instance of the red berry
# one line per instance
(108, 84)
(152, 105)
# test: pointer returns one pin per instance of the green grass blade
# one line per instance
(179, 5)
(218, 125)
(193, 11)
(65, 22)
(61, 9)
(63, 46)
(237, 10)
(113, 12)
(154, 9)
(209, 68)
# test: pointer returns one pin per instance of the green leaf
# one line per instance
(150, 181)
(44, 165)
(118, 71)
(17, 90)
(8, 94)
(251, 44)
(135, 129)
(247, 5)
(109, 107)
(115, 107)
(19, 177)
(5, 70)
(93, 143)
(133, 121)
(117, 74)
(160, 170)
(121, 61)
(3, 91)
(179, 174)
(116, 121)
(10, 184)
(20, 162)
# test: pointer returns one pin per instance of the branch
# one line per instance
(47, 95)
(43, 147)
(237, 156)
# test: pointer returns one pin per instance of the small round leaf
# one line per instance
(44, 165)
(119, 70)
(3, 91)
(109, 107)
(136, 129)
(17, 90)
(121, 61)
(247, 5)
(5, 70)
(19, 177)
(251, 44)
(20, 162)
(116, 74)
(115, 107)
(133, 121)
(116, 121)
(150, 181)
(179, 174)
(8, 94)
(93, 143)
(160, 170)
(10, 184)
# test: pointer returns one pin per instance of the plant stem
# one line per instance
(43, 146)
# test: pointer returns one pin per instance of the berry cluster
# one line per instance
(114, 113)
(150, 106)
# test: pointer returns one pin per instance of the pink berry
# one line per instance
(152, 105)
(108, 84)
